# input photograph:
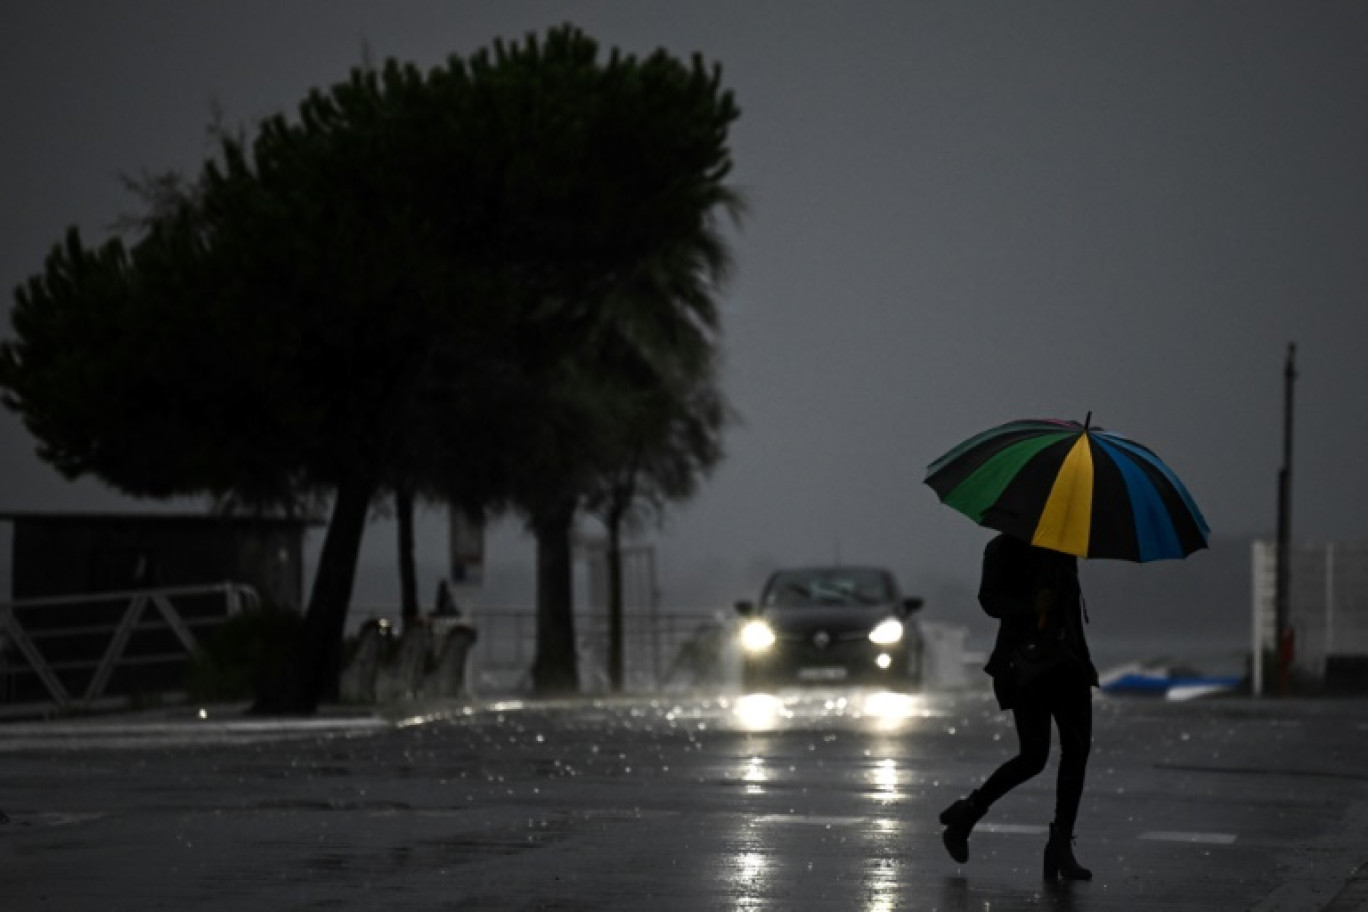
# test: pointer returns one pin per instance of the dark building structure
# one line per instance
(56, 554)
(104, 605)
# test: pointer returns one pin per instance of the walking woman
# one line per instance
(1042, 672)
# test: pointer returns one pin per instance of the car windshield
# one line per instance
(812, 588)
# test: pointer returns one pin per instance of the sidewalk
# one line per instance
(681, 804)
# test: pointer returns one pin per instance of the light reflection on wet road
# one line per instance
(804, 800)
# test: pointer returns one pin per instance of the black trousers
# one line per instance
(1068, 702)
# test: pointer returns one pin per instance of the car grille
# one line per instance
(821, 640)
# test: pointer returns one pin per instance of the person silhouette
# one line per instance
(1042, 671)
(445, 603)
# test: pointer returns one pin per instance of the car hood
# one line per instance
(831, 618)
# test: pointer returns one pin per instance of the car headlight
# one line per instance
(887, 633)
(757, 636)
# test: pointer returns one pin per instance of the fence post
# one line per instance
(122, 632)
(1329, 608)
(116, 648)
(173, 620)
(34, 657)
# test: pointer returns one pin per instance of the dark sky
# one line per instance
(961, 213)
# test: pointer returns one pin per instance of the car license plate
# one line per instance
(823, 673)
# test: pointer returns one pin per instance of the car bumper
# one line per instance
(849, 664)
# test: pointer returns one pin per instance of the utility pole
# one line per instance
(1286, 642)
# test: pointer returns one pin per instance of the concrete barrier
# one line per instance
(448, 675)
(429, 662)
(359, 677)
(943, 657)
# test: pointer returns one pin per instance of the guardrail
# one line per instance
(77, 644)
(662, 650)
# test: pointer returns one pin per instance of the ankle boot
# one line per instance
(1059, 857)
(959, 819)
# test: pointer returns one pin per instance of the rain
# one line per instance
(803, 799)
(959, 215)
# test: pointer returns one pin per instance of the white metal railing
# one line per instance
(662, 649)
(134, 605)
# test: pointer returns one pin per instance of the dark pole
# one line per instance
(614, 606)
(1285, 643)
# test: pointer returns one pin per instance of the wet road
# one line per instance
(814, 800)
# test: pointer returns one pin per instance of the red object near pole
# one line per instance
(1287, 651)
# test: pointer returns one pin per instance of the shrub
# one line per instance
(236, 658)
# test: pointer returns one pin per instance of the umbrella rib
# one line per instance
(991, 442)
(1066, 521)
(1149, 457)
(983, 488)
(1155, 535)
(1071, 488)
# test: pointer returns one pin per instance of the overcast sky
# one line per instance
(961, 213)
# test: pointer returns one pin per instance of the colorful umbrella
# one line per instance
(1073, 488)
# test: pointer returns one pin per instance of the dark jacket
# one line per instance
(1030, 591)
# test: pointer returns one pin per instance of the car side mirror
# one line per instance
(745, 608)
(912, 604)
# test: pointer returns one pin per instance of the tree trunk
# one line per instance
(615, 606)
(555, 670)
(312, 674)
(408, 570)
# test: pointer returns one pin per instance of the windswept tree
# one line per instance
(264, 338)
(606, 181)
(668, 443)
(669, 411)
(391, 290)
(618, 245)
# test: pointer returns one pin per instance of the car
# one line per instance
(832, 625)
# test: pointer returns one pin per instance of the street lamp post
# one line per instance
(1285, 638)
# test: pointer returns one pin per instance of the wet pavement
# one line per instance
(811, 800)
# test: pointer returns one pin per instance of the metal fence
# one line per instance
(675, 650)
(71, 652)
(666, 650)
(1327, 606)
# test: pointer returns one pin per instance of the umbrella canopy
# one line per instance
(1073, 488)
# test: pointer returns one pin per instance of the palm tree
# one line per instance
(668, 411)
